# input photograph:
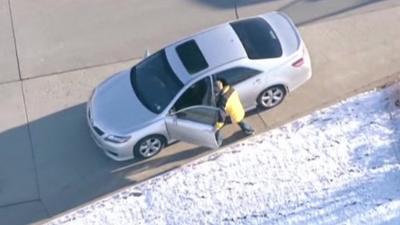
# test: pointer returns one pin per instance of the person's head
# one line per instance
(219, 85)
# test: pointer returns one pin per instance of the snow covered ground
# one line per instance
(339, 165)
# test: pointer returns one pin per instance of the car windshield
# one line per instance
(154, 82)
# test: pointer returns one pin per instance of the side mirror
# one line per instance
(172, 112)
(146, 53)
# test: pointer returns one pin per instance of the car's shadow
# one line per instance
(72, 170)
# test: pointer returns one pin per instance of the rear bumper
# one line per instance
(303, 74)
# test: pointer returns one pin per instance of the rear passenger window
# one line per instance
(236, 75)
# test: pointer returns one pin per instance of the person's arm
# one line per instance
(221, 117)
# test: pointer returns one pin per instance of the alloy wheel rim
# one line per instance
(150, 147)
(272, 97)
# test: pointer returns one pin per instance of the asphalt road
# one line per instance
(54, 52)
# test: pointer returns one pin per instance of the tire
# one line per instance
(271, 97)
(149, 146)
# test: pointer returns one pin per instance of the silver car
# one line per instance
(169, 95)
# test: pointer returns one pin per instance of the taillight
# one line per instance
(298, 63)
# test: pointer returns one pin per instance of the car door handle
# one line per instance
(257, 81)
(207, 130)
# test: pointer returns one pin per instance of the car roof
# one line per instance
(218, 45)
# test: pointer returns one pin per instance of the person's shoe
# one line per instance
(249, 131)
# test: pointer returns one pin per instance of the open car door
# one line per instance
(195, 125)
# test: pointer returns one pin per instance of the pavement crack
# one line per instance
(31, 145)
(14, 39)
(33, 77)
(236, 9)
(20, 203)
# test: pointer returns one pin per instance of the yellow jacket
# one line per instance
(232, 105)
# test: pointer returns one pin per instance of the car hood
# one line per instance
(115, 108)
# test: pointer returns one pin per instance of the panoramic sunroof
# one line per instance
(191, 57)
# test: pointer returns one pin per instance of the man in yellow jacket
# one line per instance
(227, 99)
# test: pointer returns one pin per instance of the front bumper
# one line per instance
(116, 152)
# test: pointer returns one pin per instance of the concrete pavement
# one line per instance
(8, 58)
(308, 11)
(80, 34)
(77, 35)
(49, 163)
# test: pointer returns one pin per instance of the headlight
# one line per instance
(117, 139)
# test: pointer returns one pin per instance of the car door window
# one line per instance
(200, 114)
(200, 93)
(236, 74)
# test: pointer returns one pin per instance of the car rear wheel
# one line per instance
(271, 97)
(149, 146)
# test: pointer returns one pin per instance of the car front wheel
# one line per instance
(271, 97)
(149, 146)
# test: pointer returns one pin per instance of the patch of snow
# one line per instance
(335, 166)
